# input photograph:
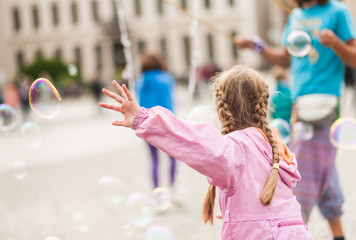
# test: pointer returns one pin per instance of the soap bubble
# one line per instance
(162, 198)
(158, 233)
(203, 113)
(299, 43)
(283, 129)
(140, 209)
(44, 98)
(73, 70)
(343, 133)
(80, 221)
(302, 131)
(112, 189)
(19, 169)
(7, 118)
(31, 135)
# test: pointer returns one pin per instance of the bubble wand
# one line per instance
(202, 21)
(128, 72)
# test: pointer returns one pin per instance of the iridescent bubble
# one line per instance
(44, 98)
(202, 113)
(158, 233)
(52, 238)
(112, 189)
(7, 118)
(80, 221)
(162, 198)
(299, 43)
(31, 135)
(283, 129)
(343, 133)
(302, 131)
(140, 208)
(19, 169)
(73, 70)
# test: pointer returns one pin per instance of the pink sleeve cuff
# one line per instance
(139, 118)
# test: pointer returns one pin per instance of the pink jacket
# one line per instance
(238, 164)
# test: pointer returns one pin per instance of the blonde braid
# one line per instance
(261, 120)
(228, 126)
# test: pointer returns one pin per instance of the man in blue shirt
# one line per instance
(331, 28)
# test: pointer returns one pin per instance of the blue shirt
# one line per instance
(326, 75)
(155, 88)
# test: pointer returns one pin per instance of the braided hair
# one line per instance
(242, 101)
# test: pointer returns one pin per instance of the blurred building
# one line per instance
(85, 32)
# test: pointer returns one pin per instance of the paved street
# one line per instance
(55, 190)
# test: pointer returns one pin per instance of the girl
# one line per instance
(252, 169)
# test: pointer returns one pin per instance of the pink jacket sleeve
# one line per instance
(201, 146)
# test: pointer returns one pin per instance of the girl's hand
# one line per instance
(243, 42)
(128, 106)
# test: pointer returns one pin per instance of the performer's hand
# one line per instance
(244, 42)
(328, 38)
(128, 106)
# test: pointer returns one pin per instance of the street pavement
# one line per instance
(64, 188)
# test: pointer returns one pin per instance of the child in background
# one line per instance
(155, 87)
(281, 99)
(248, 163)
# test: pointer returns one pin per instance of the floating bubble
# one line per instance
(128, 231)
(19, 169)
(112, 189)
(158, 233)
(299, 43)
(7, 118)
(283, 129)
(302, 131)
(343, 133)
(52, 238)
(80, 221)
(31, 135)
(44, 98)
(202, 113)
(72, 70)
(140, 208)
(313, 55)
(162, 198)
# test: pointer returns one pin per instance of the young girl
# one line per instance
(252, 169)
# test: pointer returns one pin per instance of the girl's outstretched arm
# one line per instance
(128, 106)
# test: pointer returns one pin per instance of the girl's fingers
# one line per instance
(119, 88)
(113, 95)
(110, 106)
(127, 92)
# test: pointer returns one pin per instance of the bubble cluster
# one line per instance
(44, 98)
(299, 43)
(7, 118)
(343, 133)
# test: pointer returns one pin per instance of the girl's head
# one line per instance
(242, 101)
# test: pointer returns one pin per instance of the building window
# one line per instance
(16, 19)
(98, 57)
(74, 11)
(78, 57)
(35, 17)
(160, 7)
(186, 42)
(95, 11)
(207, 4)
(163, 46)
(141, 45)
(119, 56)
(183, 3)
(55, 16)
(20, 60)
(138, 8)
(235, 52)
(58, 54)
(210, 43)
